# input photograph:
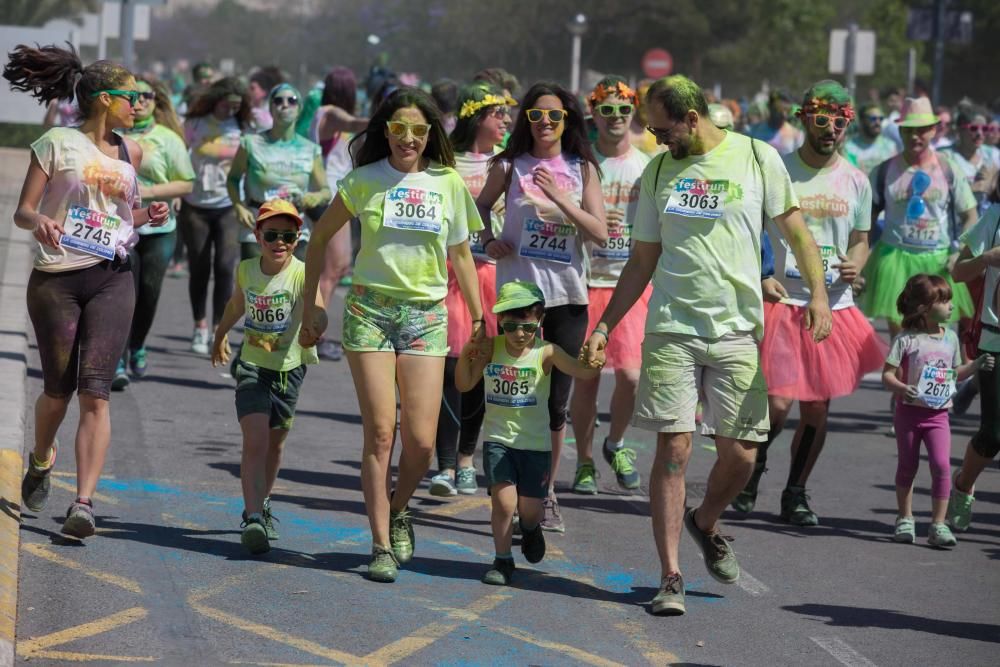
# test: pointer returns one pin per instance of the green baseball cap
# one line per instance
(518, 294)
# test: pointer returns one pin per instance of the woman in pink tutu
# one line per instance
(483, 118)
(835, 199)
(612, 105)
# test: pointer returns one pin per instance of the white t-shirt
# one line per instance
(834, 201)
(706, 211)
(473, 168)
(90, 193)
(981, 172)
(620, 185)
(981, 237)
(211, 172)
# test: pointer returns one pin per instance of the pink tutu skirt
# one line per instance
(459, 321)
(798, 368)
(624, 348)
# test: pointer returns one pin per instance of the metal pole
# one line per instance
(102, 40)
(911, 72)
(939, 19)
(850, 57)
(126, 33)
(574, 76)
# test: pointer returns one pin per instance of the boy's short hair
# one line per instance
(276, 207)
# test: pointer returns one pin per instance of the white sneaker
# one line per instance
(442, 485)
(200, 341)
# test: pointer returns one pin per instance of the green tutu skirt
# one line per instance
(889, 268)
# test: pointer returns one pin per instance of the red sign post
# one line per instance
(657, 63)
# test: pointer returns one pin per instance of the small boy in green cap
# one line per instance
(517, 450)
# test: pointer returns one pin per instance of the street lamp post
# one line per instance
(577, 27)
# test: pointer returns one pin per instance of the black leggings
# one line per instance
(461, 419)
(201, 229)
(986, 441)
(150, 258)
(565, 326)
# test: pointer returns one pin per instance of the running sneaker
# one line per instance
(79, 519)
(501, 572)
(622, 461)
(465, 481)
(383, 567)
(329, 350)
(36, 483)
(533, 544)
(443, 486)
(200, 341)
(586, 478)
(269, 519)
(669, 600)
(905, 531)
(795, 507)
(747, 498)
(720, 559)
(401, 535)
(960, 509)
(137, 362)
(939, 535)
(254, 537)
(177, 270)
(551, 516)
(120, 380)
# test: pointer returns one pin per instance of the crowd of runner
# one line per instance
(499, 249)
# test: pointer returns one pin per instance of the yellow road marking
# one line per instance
(423, 637)
(28, 648)
(565, 649)
(43, 552)
(10, 492)
(99, 497)
(655, 654)
(86, 657)
(181, 523)
(457, 507)
(56, 473)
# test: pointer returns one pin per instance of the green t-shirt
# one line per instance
(408, 221)
(706, 211)
(273, 316)
(278, 170)
(164, 159)
(517, 398)
(981, 237)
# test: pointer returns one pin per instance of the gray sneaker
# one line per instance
(36, 483)
(443, 486)
(79, 520)
(465, 481)
(669, 600)
(254, 535)
(269, 519)
(551, 516)
(720, 559)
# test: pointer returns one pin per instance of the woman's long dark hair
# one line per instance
(463, 137)
(574, 137)
(340, 89)
(54, 73)
(205, 103)
(371, 145)
(164, 112)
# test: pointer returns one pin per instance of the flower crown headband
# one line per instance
(621, 89)
(817, 105)
(471, 107)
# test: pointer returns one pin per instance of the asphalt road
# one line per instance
(166, 581)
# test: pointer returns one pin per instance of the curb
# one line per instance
(13, 370)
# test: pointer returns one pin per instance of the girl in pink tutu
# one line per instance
(835, 199)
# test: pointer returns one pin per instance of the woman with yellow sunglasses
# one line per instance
(416, 214)
(552, 184)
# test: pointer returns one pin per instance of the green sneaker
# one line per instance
(795, 507)
(669, 600)
(36, 484)
(501, 572)
(720, 559)
(465, 481)
(622, 461)
(960, 509)
(586, 478)
(939, 535)
(747, 498)
(384, 567)
(904, 532)
(401, 535)
(269, 519)
(254, 537)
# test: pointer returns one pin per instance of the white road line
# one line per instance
(752, 585)
(842, 652)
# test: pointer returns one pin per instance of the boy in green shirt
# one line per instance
(272, 363)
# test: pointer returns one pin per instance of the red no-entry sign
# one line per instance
(657, 63)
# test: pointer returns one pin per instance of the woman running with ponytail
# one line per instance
(77, 201)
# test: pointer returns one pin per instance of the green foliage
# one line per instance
(40, 12)
(19, 135)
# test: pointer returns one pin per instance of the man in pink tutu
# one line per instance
(836, 200)
(697, 236)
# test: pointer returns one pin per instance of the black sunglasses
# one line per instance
(270, 236)
(291, 101)
(528, 327)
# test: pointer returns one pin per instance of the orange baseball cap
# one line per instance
(274, 207)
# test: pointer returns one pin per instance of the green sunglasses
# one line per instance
(612, 110)
(131, 95)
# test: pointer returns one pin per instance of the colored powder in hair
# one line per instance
(827, 90)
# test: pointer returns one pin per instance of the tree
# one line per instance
(40, 12)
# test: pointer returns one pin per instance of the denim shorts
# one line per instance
(375, 322)
(263, 391)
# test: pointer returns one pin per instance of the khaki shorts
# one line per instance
(726, 370)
